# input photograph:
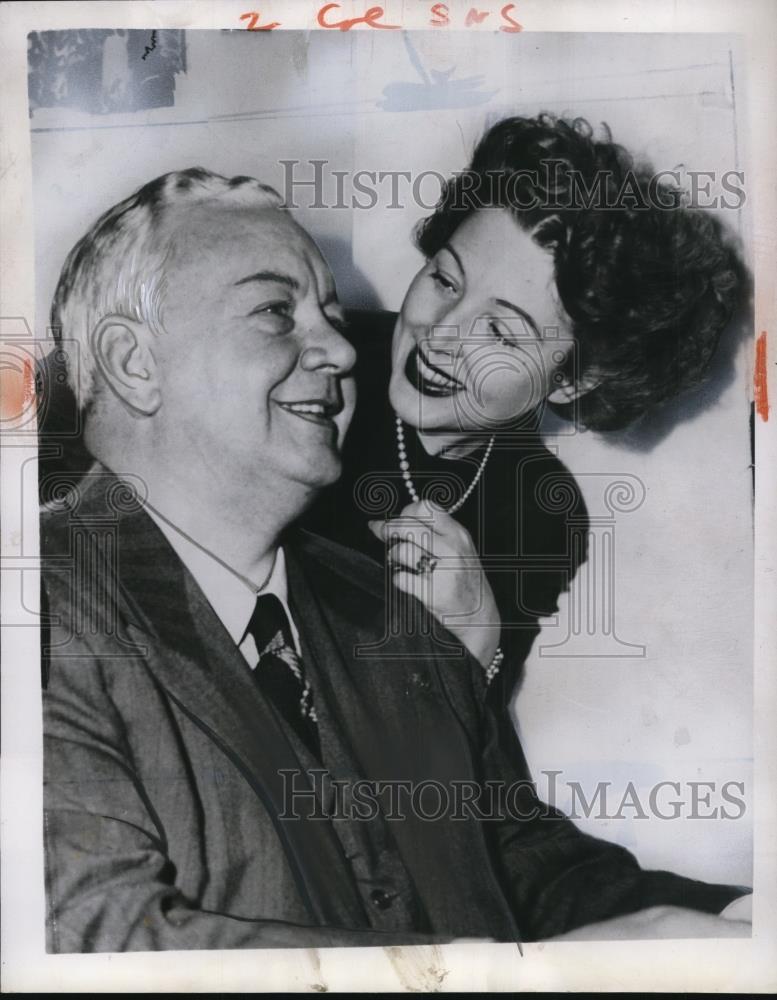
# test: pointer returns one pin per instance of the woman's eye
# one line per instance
(338, 322)
(500, 334)
(443, 281)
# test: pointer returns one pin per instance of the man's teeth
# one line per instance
(436, 378)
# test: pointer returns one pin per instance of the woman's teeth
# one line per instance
(433, 378)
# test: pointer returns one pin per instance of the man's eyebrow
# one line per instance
(520, 312)
(282, 279)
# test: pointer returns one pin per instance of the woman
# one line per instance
(557, 273)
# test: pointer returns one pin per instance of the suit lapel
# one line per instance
(196, 662)
(365, 679)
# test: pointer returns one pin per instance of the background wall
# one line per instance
(680, 709)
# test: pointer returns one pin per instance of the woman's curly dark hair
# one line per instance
(649, 283)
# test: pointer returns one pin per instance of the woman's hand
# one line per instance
(433, 559)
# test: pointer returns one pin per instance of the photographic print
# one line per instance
(384, 400)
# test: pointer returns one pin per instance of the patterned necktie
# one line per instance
(280, 673)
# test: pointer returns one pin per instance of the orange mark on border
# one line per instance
(17, 388)
(759, 379)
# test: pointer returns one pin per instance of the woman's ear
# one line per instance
(567, 391)
(123, 351)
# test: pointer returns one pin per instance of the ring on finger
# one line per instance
(425, 564)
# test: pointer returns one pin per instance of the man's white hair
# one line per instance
(118, 267)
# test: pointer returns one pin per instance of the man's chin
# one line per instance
(324, 472)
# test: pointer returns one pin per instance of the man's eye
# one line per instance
(280, 308)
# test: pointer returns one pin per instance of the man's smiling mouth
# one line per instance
(318, 411)
(427, 378)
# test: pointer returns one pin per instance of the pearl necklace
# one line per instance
(404, 467)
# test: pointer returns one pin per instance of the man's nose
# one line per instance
(328, 350)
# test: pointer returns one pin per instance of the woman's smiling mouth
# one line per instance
(426, 378)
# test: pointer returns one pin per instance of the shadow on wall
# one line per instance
(353, 287)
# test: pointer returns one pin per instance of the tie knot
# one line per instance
(269, 624)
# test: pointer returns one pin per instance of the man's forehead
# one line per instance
(213, 224)
(220, 245)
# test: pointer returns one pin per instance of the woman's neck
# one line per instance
(450, 445)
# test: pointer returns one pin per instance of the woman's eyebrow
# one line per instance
(520, 312)
(452, 252)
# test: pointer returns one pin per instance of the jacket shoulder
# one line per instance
(54, 530)
(341, 561)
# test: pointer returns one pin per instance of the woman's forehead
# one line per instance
(497, 255)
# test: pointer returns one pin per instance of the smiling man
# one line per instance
(208, 664)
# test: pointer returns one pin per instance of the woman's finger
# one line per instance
(415, 585)
(386, 531)
(413, 557)
(436, 519)
(400, 530)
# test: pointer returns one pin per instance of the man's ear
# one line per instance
(123, 351)
(567, 392)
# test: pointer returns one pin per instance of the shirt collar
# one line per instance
(230, 596)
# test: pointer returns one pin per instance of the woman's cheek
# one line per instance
(418, 306)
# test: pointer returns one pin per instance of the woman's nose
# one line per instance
(444, 341)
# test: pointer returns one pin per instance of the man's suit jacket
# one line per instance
(164, 766)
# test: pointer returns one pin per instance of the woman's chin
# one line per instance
(425, 413)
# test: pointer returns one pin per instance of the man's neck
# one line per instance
(245, 536)
(241, 531)
(254, 571)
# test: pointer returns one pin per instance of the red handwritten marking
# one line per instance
(17, 388)
(439, 14)
(439, 18)
(759, 379)
(475, 16)
(370, 18)
(512, 25)
(29, 381)
(252, 16)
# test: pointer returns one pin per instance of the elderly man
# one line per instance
(232, 708)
